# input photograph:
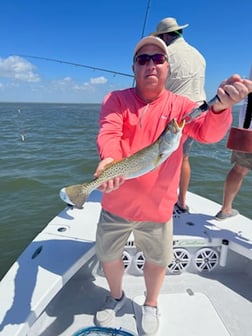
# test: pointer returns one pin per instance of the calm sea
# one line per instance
(47, 146)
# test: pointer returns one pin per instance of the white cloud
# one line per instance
(98, 80)
(70, 84)
(15, 67)
(63, 83)
(21, 81)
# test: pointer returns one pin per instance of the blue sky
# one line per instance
(103, 34)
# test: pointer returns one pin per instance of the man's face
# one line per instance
(167, 38)
(150, 75)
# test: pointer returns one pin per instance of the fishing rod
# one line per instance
(89, 66)
(144, 25)
(145, 18)
(248, 115)
(77, 64)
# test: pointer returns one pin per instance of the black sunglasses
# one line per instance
(156, 58)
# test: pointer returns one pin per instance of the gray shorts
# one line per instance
(242, 159)
(155, 240)
(187, 147)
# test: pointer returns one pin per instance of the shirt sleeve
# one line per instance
(210, 127)
(111, 126)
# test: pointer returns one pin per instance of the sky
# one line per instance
(102, 34)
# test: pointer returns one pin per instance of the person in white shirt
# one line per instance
(187, 78)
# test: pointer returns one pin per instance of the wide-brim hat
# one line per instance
(153, 40)
(168, 25)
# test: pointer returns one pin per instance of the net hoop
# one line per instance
(102, 331)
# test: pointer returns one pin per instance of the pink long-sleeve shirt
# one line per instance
(127, 124)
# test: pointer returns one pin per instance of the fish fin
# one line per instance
(108, 165)
(77, 194)
(112, 163)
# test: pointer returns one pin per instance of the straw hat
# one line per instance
(151, 40)
(168, 25)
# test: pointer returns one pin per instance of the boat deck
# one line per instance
(56, 285)
(217, 303)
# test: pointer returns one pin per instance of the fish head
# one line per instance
(170, 139)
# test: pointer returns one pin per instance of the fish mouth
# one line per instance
(178, 125)
(63, 195)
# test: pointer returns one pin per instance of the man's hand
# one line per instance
(112, 184)
(231, 91)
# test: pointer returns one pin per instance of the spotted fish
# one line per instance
(138, 164)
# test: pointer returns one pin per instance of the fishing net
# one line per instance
(101, 331)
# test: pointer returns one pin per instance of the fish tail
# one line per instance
(75, 195)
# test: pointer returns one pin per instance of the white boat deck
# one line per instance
(199, 295)
(189, 304)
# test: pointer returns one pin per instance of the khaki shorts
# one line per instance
(187, 147)
(242, 159)
(155, 240)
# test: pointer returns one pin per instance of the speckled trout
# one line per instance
(138, 164)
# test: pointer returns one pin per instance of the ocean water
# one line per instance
(47, 146)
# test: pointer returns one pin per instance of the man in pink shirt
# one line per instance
(130, 120)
